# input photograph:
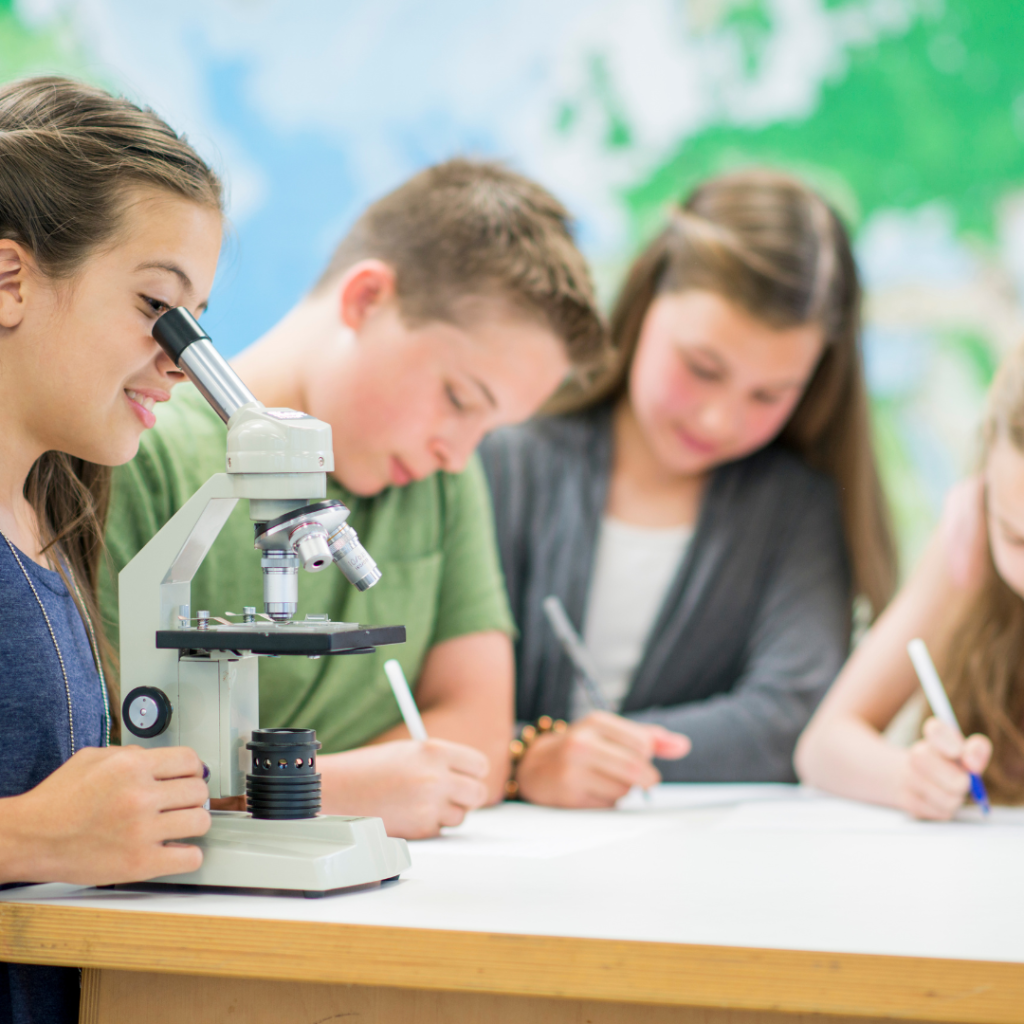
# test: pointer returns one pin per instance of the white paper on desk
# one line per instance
(1012, 817)
(814, 813)
(679, 796)
(523, 830)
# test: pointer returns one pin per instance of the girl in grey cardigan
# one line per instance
(706, 514)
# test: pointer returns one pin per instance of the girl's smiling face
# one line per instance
(710, 384)
(82, 350)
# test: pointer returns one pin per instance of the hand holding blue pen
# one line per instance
(941, 708)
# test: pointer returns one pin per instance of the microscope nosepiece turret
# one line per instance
(311, 536)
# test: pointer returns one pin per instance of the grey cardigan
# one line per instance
(754, 627)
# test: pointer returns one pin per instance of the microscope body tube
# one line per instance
(189, 346)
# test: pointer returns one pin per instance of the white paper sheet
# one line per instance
(672, 796)
(523, 830)
(813, 812)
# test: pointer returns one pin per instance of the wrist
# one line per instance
(340, 774)
(519, 750)
(898, 790)
(24, 855)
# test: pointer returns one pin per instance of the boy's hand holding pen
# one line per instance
(944, 766)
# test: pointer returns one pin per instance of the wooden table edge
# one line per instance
(656, 973)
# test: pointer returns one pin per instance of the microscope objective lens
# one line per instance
(280, 584)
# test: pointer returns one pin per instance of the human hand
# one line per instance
(109, 815)
(594, 762)
(417, 787)
(936, 770)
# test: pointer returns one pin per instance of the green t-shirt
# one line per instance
(433, 541)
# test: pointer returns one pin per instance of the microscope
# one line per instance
(193, 680)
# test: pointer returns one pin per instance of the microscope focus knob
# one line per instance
(146, 711)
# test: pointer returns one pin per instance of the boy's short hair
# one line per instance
(470, 228)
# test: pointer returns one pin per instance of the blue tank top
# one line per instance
(35, 739)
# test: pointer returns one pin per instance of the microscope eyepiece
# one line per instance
(176, 330)
(181, 337)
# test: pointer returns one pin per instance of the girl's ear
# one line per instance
(364, 287)
(14, 266)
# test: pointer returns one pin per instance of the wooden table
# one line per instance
(783, 910)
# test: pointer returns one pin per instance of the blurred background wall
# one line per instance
(908, 114)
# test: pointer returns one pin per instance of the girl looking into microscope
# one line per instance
(107, 218)
(707, 516)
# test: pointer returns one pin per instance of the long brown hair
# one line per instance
(69, 154)
(985, 674)
(768, 243)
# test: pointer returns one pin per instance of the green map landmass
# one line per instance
(935, 113)
(29, 51)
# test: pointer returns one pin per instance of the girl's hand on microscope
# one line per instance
(596, 761)
(416, 787)
(107, 815)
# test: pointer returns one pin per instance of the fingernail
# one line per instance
(206, 771)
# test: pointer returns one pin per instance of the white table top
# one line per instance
(767, 867)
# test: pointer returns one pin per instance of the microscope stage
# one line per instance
(302, 638)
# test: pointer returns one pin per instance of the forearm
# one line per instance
(842, 749)
(22, 856)
(736, 737)
(846, 756)
(349, 784)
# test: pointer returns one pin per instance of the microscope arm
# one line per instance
(173, 556)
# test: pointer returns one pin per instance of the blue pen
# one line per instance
(941, 708)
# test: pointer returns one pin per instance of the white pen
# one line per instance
(572, 644)
(406, 704)
(941, 708)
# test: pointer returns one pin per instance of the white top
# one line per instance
(753, 866)
(633, 569)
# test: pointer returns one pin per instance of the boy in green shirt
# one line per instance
(457, 304)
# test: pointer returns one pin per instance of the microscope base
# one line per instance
(313, 856)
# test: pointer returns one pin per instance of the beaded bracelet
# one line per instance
(518, 747)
